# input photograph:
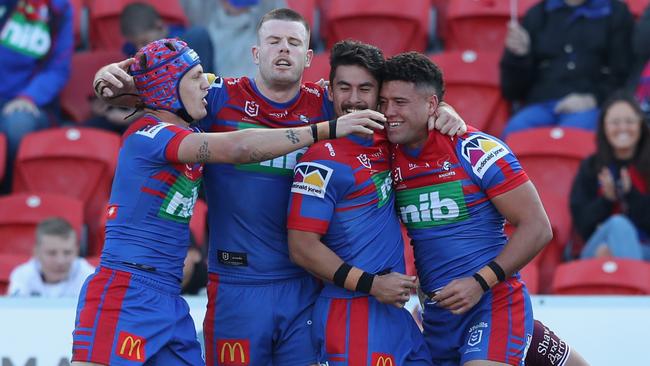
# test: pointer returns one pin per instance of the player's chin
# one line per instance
(199, 113)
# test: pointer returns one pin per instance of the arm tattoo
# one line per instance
(258, 155)
(293, 136)
(203, 156)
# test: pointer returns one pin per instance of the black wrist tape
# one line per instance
(498, 271)
(314, 132)
(333, 123)
(341, 274)
(365, 283)
(481, 281)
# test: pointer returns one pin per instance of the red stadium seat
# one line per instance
(105, 20)
(3, 155)
(602, 276)
(306, 8)
(7, 264)
(75, 97)
(530, 275)
(637, 6)
(472, 88)
(319, 68)
(480, 24)
(551, 157)
(198, 223)
(78, 162)
(389, 25)
(21, 212)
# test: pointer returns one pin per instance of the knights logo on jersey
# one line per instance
(482, 152)
(311, 179)
(252, 108)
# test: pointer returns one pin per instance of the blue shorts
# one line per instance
(260, 325)
(499, 328)
(362, 331)
(128, 319)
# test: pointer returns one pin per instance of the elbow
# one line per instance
(296, 254)
(545, 234)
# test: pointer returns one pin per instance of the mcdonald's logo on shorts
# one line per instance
(233, 352)
(130, 347)
(382, 359)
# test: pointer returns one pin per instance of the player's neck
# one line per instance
(167, 116)
(279, 93)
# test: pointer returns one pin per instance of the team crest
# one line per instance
(311, 179)
(482, 152)
(252, 108)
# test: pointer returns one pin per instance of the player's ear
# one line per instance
(308, 57)
(256, 55)
(433, 104)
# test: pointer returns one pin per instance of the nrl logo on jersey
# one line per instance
(251, 108)
(364, 160)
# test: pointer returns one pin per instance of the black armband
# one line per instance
(314, 132)
(481, 281)
(341, 274)
(333, 123)
(498, 271)
(365, 282)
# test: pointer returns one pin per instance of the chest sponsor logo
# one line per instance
(27, 30)
(152, 130)
(431, 206)
(179, 203)
(252, 108)
(311, 179)
(282, 165)
(482, 152)
(131, 347)
(384, 187)
(382, 359)
(233, 352)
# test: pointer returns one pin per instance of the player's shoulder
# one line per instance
(150, 127)
(324, 150)
(312, 90)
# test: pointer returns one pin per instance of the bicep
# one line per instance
(520, 204)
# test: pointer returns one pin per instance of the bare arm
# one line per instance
(308, 251)
(253, 145)
(523, 208)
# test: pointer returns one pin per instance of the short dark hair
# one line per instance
(350, 52)
(416, 68)
(137, 18)
(54, 226)
(284, 14)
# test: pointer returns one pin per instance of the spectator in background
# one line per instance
(640, 75)
(56, 269)
(610, 198)
(564, 60)
(141, 24)
(36, 46)
(232, 25)
(195, 271)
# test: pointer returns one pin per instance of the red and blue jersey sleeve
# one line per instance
(156, 142)
(317, 186)
(490, 163)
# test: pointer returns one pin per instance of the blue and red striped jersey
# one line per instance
(443, 193)
(342, 190)
(247, 202)
(152, 200)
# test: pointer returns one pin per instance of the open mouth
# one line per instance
(393, 124)
(283, 63)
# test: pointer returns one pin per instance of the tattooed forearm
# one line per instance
(258, 155)
(203, 155)
(293, 136)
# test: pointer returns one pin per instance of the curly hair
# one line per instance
(350, 52)
(416, 68)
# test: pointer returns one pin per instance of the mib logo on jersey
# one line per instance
(430, 206)
(482, 152)
(27, 30)
(282, 165)
(311, 179)
(383, 185)
(179, 203)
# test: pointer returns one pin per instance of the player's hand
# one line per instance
(459, 295)
(393, 288)
(365, 121)
(447, 121)
(113, 79)
(21, 105)
(517, 39)
(323, 83)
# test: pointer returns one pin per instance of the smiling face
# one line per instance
(353, 88)
(622, 126)
(282, 52)
(407, 109)
(192, 91)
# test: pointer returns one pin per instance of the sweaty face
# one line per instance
(56, 255)
(407, 110)
(622, 129)
(353, 88)
(282, 52)
(193, 89)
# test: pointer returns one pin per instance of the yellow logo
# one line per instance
(233, 352)
(382, 359)
(131, 347)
